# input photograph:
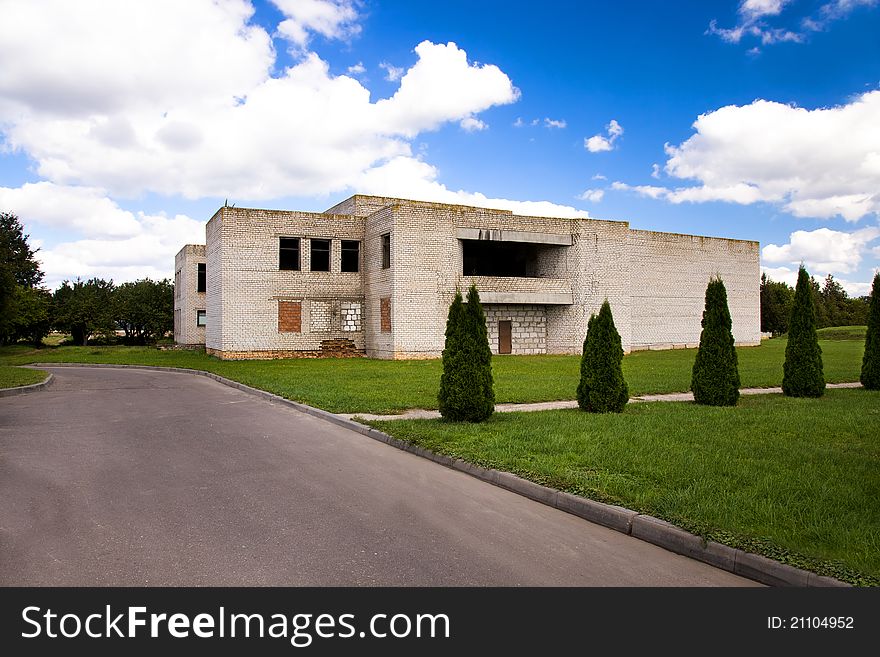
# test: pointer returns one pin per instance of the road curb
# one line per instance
(643, 527)
(23, 390)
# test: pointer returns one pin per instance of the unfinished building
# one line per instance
(375, 276)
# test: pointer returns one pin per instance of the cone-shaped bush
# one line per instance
(802, 374)
(870, 377)
(715, 377)
(466, 392)
(602, 388)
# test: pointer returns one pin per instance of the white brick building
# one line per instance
(376, 275)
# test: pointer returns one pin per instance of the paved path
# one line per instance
(138, 477)
(422, 414)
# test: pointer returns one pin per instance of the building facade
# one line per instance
(375, 276)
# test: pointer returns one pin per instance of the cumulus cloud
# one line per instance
(555, 123)
(817, 163)
(823, 249)
(650, 191)
(599, 143)
(332, 19)
(356, 69)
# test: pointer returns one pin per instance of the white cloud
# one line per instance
(599, 143)
(823, 249)
(392, 73)
(754, 15)
(171, 118)
(356, 69)
(333, 19)
(642, 190)
(814, 163)
(472, 124)
(554, 123)
(655, 170)
(599, 176)
(592, 195)
(84, 209)
(519, 123)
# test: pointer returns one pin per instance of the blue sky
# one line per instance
(124, 125)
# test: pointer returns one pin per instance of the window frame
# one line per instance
(312, 242)
(201, 315)
(386, 250)
(282, 249)
(357, 255)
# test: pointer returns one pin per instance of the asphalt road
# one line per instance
(147, 478)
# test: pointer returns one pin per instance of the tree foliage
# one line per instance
(715, 376)
(466, 387)
(19, 258)
(144, 309)
(870, 376)
(833, 306)
(802, 371)
(24, 311)
(776, 299)
(84, 309)
(602, 388)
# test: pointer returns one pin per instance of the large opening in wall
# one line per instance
(487, 258)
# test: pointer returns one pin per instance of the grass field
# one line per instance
(794, 479)
(12, 377)
(381, 386)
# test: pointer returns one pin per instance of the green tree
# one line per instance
(802, 371)
(144, 309)
(466, 392)
(84, 309)
(602, 388)
(16, 253)
(715, 376)
(835, 302)
(870, 376)
(776, 299)
(29, 317)
(21, 298)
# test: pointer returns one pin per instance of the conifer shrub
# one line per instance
(602, 388)
(802, 374)
(870, 376)
(466, 390)
(715, 375)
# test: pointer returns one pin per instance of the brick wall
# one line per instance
(528, 327)
(187, 299)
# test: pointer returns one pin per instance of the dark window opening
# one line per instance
(288, 254)
(351, 255)
(202, 284)
(320, 255)
(386, 250)
(488, 258)
(201, 318)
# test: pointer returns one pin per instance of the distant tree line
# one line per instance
(832, 305)
(96, 309)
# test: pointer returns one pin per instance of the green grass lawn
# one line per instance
(381, 386)
(793, 479)
(12, 377)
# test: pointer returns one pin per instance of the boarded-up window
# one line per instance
(385, 314)
(289, 316)
(320, 316)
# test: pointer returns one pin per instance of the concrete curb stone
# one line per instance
(644, 527)
(23, 390)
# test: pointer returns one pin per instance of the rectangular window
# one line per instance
(386, 250)
(202, 278)
(320, 255)
(288, 254)
(351, 255)
(201, 318)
